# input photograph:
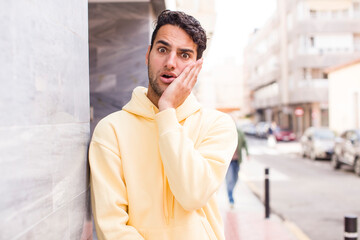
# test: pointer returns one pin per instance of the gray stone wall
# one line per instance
(44, 120)
(119, 35)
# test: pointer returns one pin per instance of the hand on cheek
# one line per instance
(176, 93)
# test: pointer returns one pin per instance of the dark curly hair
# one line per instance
(186, 22)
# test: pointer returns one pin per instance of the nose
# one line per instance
(171, 61)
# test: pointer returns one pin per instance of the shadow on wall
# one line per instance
(118, 41)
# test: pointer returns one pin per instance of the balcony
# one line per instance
(270, 101)
(267, 96)
(311, 90)
(325, 26)
(312, 60)
(258, 81)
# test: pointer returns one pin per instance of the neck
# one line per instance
(153, 97)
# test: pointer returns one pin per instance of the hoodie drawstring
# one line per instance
(168, 199)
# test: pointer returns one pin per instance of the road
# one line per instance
(308, 193)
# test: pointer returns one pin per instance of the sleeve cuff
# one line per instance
(166, 120)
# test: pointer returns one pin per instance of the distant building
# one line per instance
(285, 60)
(344, 96)
(202, 10)
(220, 86)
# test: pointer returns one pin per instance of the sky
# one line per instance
(236, 19)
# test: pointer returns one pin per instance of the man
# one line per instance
(156, 165)
(232, 174)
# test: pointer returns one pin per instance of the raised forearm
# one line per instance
(194, 174)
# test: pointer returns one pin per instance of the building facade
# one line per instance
(344, 97)
(285, 61)
(44, 121)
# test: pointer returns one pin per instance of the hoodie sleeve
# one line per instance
(108, 189)
(194, 174)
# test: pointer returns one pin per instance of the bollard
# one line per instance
(267, 194)
(350, 228)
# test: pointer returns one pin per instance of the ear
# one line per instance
(147, 56)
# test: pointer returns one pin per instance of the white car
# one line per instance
(317, 143)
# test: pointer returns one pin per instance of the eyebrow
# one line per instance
(163, 42)
(168, 45)
(185, 50)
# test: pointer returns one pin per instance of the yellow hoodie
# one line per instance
(154, 174)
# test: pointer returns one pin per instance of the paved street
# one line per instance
(307, 193)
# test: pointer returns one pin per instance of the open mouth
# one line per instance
(167, 77)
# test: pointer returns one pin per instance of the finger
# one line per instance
(194, 79)
(196, 72)
(192, 76)
(191, 72)
(183, 75)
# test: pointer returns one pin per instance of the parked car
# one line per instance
(347, 150)
(285, 135)
(317, 142)
(249, 129)
(262, 129)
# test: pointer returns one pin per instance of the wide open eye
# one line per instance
(185, 55)
(162, 50)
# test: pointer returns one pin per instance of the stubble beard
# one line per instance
(154, 84)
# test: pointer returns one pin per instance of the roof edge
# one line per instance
(342, 66)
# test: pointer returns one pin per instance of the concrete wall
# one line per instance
(344, 98)
(44, 121)
(119, 35)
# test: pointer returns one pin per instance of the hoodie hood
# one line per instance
(141, 105)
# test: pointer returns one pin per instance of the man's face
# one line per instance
(173, 49)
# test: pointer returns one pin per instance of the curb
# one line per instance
(296, 230)
(292, 227)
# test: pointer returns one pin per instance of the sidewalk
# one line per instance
(246, 221)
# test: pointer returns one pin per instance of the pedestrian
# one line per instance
(232, 174)
(156, 164)
(271, 135)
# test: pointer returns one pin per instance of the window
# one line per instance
(357, 42)
(291, 51)
(312, 42)
(305, 73)
(313, 14)
(316, 73)
(290, 21)
(334, 14)
(356, 9)
(325, 117)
